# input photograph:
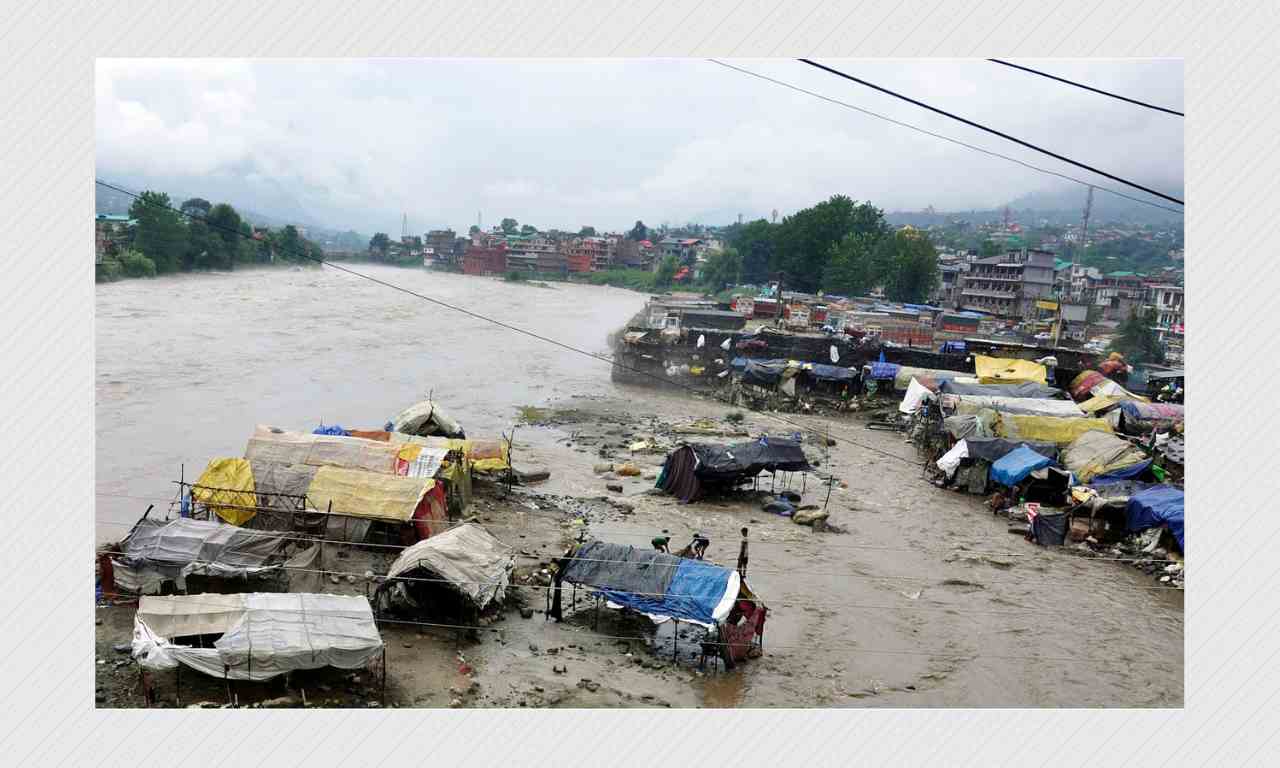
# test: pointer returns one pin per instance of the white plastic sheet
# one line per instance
(950, 460)
(916, 394)
(263, 634)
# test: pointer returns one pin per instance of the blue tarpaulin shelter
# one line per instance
(655, 583)
(1015, 465)
(1155, 506)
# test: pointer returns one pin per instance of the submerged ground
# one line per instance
(924, 599)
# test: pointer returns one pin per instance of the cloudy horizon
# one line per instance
(563, 144)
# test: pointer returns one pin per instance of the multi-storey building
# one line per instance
(1008, 286)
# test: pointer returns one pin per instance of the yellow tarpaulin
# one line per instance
(367, 494)
(1100, 403)
(227, 487)
(1045, 304)
(1047, 429)
(409, 452)
(485, 455)
(1007, 370)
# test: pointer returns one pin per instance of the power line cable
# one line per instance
(936, 135)
(990, 130)
(644, 536)
(1087, 87)
(508, 326)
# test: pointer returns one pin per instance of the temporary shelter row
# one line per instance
(457, 574)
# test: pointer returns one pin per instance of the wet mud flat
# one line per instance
(918, 597)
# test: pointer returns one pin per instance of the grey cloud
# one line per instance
(567, 143)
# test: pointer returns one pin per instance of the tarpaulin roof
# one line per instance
(226, 485)
(750, 458)
(426, 418)
(1157, 505)
(263, 634)
(824, 372)
(281, 446)
(1019, 389)
(181, 542)
(1141, 418)
(902, 380)
(367, 494)
(468, 557)
(1049, 429)
(1014, 466)
(655, 583)
(993, 448)
(1093, 454)
(881, 370)
(1031, 406)
(1004, 370)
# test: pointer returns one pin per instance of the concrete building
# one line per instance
(1164, 305)
(111, 234)
(1118, 294)
(441, 243)
(1008, 286)
(534, 253)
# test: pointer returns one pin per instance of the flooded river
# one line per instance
(187, 365)
(925, 600)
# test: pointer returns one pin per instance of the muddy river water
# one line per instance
(924, 600)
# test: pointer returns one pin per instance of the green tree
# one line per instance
(159, 234)
(1137, 340)
(475, 230)
(988, 248)
(196, 207)
(638, 232)
(666, 271)
(912, 266)
(723, 268)
(849, 270)
(379, 244)
(528, 229)
(224, 226)
(755, 241)
(202, 250)
(804, 239)
(510, 226)
(587, 232)
(134, 264)
(291, 245)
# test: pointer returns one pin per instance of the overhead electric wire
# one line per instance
(1087, 87)
(808, 428)
(616, 534)
(943, 137)
(991, 130)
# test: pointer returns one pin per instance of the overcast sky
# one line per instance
(562, 144)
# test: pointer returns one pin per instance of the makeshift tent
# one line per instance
(828, 373)
(905, 373)
(654, 583)
(1049, 429)
(692, 469)
(1158, 505)
(950, 460)
(262, 634)
(1144, 418)
(1013, 467)
(1108, 388)
(279, 446)
(466, 561)
(1094, 454)
(994, 448)
(1082, 385)
(1097, 405)
(156, 551)
(426, 418)
(1030, 406)
(370, 495)
(226, 486)
(881, 371)
(1007, 370)
(1020, 389)
(981, 424)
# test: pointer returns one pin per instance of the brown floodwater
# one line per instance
(187, 365)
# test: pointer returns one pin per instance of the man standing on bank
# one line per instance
(742, 556)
